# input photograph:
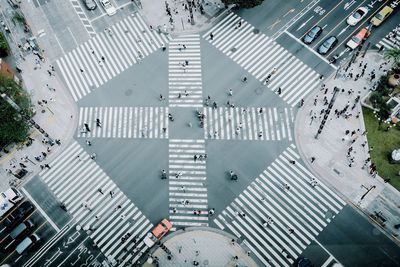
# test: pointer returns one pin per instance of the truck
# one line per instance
(157, 233)
(8, 199)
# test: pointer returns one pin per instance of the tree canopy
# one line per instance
(393, 54)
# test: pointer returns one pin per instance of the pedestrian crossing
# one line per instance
(263, 58)
(250, 123)
(188, 205)
(82, 16)
(185, 81)
(124, 122)
(281, 212)
(391, 40)
(103, 57)
(98, 205)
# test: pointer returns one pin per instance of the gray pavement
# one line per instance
(330, 148)
(207, 246)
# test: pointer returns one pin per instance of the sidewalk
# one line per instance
(207, 246)
(330, 149)
(54, 116)
(156, 15)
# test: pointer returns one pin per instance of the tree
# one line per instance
(243, 3)
(3, 46)
(393, 54)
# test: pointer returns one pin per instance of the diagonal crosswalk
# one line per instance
(185, 82)
(188, 205)
(103, 57)
(391, 40)
(262, 57)
(124, 122)
(250, 123)
(277, 223)
(97, 204)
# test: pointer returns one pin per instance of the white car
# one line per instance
(357, 16)
(108, 7)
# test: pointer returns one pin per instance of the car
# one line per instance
(19, 214)
(357, 16)
(157, 233)
(108, 7)
(357, 39)
(312, 34)
(90, 4)
(381, 16)
(327, 45)
(27, 243)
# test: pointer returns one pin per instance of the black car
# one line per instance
(312, 34)
(19, 214)
(327, 45)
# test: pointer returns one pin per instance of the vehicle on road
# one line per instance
(18, 233)
(19, 214)
(357, 16)
(90, 4)
(8, 199)
(312, 34)
(304, 262)
(357, 39)
(108, 7)
(27, 243)
(327, 45)
(157, 233)
(381, 16)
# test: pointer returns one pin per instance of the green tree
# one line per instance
(243, 3)
(13, 129)
(3, 46)
(393, 54)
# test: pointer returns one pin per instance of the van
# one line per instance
(381, 16)
(22, 229)
(8, 199)
(27, 243)
(19, 214)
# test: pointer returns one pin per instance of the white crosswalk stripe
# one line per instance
(101, 58)
(262, 57)
(86, 191)
(82, 16)
(188, 205)
(185, 83)
(265, 213)
(391, 40)
(250, 123)
(124, 122)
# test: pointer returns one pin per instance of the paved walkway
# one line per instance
(331, 147)
(207, 246)
(54, 116)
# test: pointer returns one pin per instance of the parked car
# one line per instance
(19, 214)
(357, 16)
(382, 15)
(312, 34)
(90, 4)
(157, 233)
(327, 45)
(357, 39)
(27, 243)
(108, 7)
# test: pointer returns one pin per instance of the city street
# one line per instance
(213, 112)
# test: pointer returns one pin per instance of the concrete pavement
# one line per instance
(204, 245)
(331, 163)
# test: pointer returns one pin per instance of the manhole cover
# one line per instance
(128, 92)
(259, 91)
(256, 31)
(233, 49)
